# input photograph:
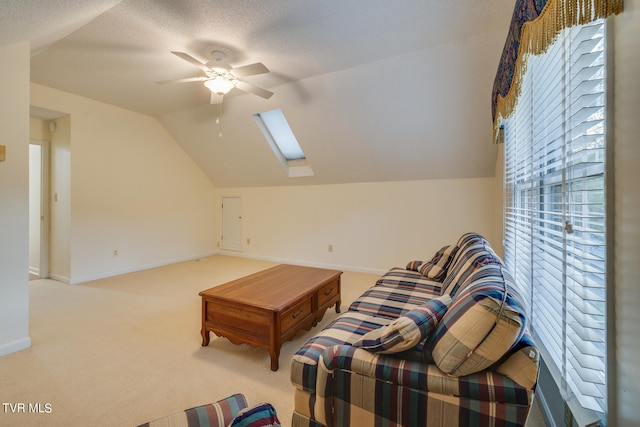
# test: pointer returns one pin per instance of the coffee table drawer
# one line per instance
(294, 315)
(234, 317)
(328, 292)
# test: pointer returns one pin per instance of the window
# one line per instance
(283, 142)
(555, 158)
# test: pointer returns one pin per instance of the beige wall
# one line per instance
(39, 129)
(60, 202)
(626, 342)
(372, 226)
(129, 187)
(38, 134)
(35, 189)
(14, 198)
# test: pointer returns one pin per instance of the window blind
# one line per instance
(554, 227)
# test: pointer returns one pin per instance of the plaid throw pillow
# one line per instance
(408, 330)
(485, 320)
(218, 414)
(262, 415)
(413, 265)
(436, 269)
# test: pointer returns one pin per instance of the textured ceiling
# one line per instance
(375, 78)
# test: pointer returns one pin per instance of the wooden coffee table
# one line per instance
(268, 308)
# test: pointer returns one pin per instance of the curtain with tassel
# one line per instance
(534, 27)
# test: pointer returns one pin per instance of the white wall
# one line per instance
(14, 198)
(35, 189)
(372, 226)
(60, 202)
(627, 217)
(132, 189)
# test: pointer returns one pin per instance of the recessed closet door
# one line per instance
(231, 236)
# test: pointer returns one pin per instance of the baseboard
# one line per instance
(85, 279)
(34, 270)
(305, 263)
(544, 408)
(59, 278)
(13, 346)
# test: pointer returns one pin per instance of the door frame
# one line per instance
(45, 177)
(223, 244)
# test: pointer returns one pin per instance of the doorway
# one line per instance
(38, 209)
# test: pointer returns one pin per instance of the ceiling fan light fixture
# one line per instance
(220, 85)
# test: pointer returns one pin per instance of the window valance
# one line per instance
(534, 27)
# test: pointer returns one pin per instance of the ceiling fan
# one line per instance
(221, 77)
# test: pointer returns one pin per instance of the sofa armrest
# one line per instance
(379, 366)
(424, 377)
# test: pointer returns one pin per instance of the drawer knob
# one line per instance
(296, 315)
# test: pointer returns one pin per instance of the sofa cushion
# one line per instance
(218, 414)
(406, 331)
(346, 329)
(409, 280)
(484, 321)
(466, 261)
(396, 293)
(436, 268)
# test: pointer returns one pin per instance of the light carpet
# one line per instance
(127, 349)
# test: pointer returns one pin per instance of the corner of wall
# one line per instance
(14, 193)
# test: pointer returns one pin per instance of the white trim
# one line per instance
(76, 281)
(308, 264)
(59, 278)
(13, 346)
(544, 408)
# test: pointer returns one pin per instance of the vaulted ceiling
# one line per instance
(375, 90)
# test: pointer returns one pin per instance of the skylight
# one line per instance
(283, 142)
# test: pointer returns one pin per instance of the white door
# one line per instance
(39, 208)
(231, 237)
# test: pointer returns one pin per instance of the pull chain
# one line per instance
(218, 120)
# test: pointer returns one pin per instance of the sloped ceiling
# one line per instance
(374, 90)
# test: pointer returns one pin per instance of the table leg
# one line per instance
(338, 307)
(205, 337)
(275, 355)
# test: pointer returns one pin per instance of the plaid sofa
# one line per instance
(440, 342)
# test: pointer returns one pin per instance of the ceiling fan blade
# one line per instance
(190, 59)
(250, 70)
(247, 87)
(216, 98)
(188, 79)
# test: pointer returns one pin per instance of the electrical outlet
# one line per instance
(330, 248)
(248, 241)
(115, 252)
